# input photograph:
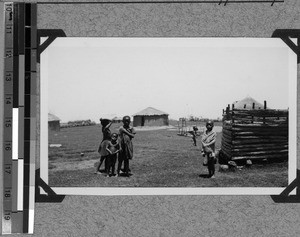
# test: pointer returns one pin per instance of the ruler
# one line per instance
(19, 117)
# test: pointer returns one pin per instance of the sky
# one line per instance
(90, 78)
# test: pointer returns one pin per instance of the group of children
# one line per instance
(119, 147)
(116, 146)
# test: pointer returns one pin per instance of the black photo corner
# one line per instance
(284, 197)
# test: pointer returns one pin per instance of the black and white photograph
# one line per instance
(193, 113)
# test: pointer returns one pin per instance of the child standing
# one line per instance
(106, 123)
(113, 148)
(126, 154)
(194, 134)
(208, 145)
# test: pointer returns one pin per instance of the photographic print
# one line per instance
(195, 113)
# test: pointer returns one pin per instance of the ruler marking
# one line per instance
(6, 222)
(27, 106)
(21, 57)
(26, 180)
(33, 109)
(18, 217)
(7, 204)
(15, 112)
(28, 60)
(21, 88)
(14, 185)
(8, 175)
(21, 133)
(8, 82)
(16, 56)
(17, 223)
(15, 135)
(7, 152)
(32, 154)
(19, 117)
(26, 133)
(8, 100)
(31, 218)
(33, 83)
(33, 23)
(20, 184)
(30, 66)
(8, 128)
(33, 59)
(27, 14)
(27, 37)
(21, 28)
(27, 82)
(25, 216)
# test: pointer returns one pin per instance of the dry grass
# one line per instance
(161, 159)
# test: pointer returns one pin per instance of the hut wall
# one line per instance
(255, 134)
(152, 120)
(155, 120)
(137, 121)
(54, 125)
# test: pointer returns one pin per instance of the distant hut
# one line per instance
(117, 119)
(248, 103)
(53, 122)
(151, 117)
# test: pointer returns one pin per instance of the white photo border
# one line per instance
(111, 191)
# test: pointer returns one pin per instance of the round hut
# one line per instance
(248, 103)
(151, 117)
(53, 122)
(117, 119)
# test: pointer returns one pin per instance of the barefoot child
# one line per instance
(126, 134)
(208, 145)
(106, 123)
(113, 148)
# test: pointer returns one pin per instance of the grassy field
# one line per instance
(161, 159)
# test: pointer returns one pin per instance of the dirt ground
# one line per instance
(161, 159)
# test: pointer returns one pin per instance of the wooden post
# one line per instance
(265, 107)
(227, 112)
(253, 107)
(232, 114)
(265, 104)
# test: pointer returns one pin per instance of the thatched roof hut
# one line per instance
(117, 119)
(150, 117)
(248, 103)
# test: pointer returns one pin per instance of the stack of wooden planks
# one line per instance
(255, 134)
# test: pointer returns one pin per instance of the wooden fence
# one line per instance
(254, 134)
